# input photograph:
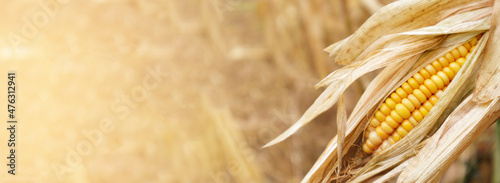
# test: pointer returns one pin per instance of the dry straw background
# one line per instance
(236, 73)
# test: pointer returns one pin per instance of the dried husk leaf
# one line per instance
(403, 15)
(341, 125)
(394, 172)
(488, 82)
(455, 135)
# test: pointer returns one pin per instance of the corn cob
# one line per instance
(413, 100)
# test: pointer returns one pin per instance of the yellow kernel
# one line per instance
(431, 85)
(396, 116)
(385, 109)
(463, 51)
(419, 78)
(403, 111)
(389, 120)
(467, 56)
(374, 122)
(455, 67)
(467, 46)
(414, 100)
(381, 133)
(444, 77)
(431, 69)
(367, 134)
(417, 115)
(437, 65)
(367, 149)
(375, 138)
(370, 128)
(443, 61)
(406, 87)
(425, 90)
(420, 96)
(439, 93)
(423, 111)
(402, 132)
(455, 53)
(408, 104)
(391, 141)
(425, 73)
(391, 103)
(413, 83)
(406, 124)
(472, 48)
(473, 42)
(449, 57)
(438, 81)
(393, 124)
(413, 121)
(370, 144)
(449, 72)
(401, 92)
(433, 99)
(396, 137)
(395, 97)
(387, 129)
(384, 145)
(428, 105)
(461, 61)
(380, 116)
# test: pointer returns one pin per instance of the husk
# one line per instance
(488, 81)
(458, 132)
(341, 125)
(404, 16)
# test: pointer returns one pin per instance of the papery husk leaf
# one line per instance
(410, 43)
(476, 20)
(394, 53)
(394, 172)
(488, 82)
(404, 16)
(455, 135)
(341, 125)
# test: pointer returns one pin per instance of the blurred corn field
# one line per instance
(238, 73)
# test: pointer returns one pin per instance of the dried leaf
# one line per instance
(459, 131)
(341, 125)
(488, 81)
(403, 15)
